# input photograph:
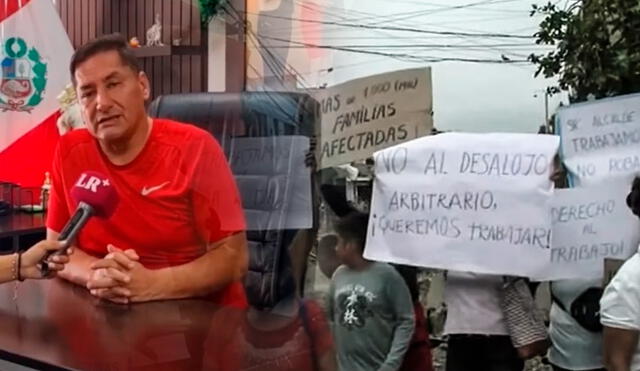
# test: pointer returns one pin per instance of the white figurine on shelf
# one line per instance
(71, 118)
(154, 33)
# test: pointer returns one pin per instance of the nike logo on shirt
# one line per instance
(146, 191)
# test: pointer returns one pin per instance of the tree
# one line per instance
(597, 47)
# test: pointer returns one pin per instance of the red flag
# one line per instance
(34, 58)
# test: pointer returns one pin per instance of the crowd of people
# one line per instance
(180, 233)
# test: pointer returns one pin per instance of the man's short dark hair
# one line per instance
(353, 228)
(112, 42)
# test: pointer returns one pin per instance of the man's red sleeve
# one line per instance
(58, 213)
(216, 203)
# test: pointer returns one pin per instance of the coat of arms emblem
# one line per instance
(22, 76)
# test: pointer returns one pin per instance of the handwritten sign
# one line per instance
(589, 225)
(365, 115)
(601, 139)
(273, 181)
(466, 202)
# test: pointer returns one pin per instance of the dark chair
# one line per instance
(249, 114)
(252, 114)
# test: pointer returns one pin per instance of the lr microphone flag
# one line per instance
(34, 69)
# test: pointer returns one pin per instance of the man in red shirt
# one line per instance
(178, 230)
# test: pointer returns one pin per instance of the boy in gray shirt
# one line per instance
(369, 305)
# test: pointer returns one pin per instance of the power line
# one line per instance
(476, 20)
(349, 65)
(271, 57)
(477, 47)
(401, 56)
(403, 29)
(372, 16)
(337, 14)
(389, 17)
(420, 46)
(413, 14)
(270, 60)
(343, 38)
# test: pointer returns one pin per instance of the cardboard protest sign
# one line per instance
(364, 115)
(273, 181)
(590, 224)
(601, 139)
(465, 202)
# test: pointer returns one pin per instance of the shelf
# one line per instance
(152, 51)
(166, 50)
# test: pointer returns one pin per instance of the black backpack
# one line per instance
(585, 309)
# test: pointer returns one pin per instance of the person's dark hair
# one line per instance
(633, 198)
(112, 42)
(353, 227)
(336, 198)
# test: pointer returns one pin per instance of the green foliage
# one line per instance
(597, 47)
(209, 9)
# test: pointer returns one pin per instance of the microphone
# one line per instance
(95, 197)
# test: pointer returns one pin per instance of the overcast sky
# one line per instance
(467, 96)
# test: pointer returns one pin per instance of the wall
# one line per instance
(184, 71)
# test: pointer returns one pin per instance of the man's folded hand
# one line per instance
(120, 278)
(112, 274)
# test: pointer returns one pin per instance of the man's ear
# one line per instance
(145, 85)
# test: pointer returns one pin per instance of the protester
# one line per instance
(418, 357)
(24, 265)
(478, 334)
(574, 346)
(369, 305)
(620, 307)
(179, 228)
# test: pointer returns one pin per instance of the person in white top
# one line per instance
(478, 334)
(574, 346)
(620, 308)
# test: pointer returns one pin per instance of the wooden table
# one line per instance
(18, 225)
(54, 325)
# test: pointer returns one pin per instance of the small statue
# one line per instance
(134, 42)
(71, 117)
(154, 33)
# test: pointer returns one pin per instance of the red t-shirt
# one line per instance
(176, 196)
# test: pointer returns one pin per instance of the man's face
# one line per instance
(111, 97)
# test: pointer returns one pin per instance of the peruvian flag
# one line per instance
(35, 52)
